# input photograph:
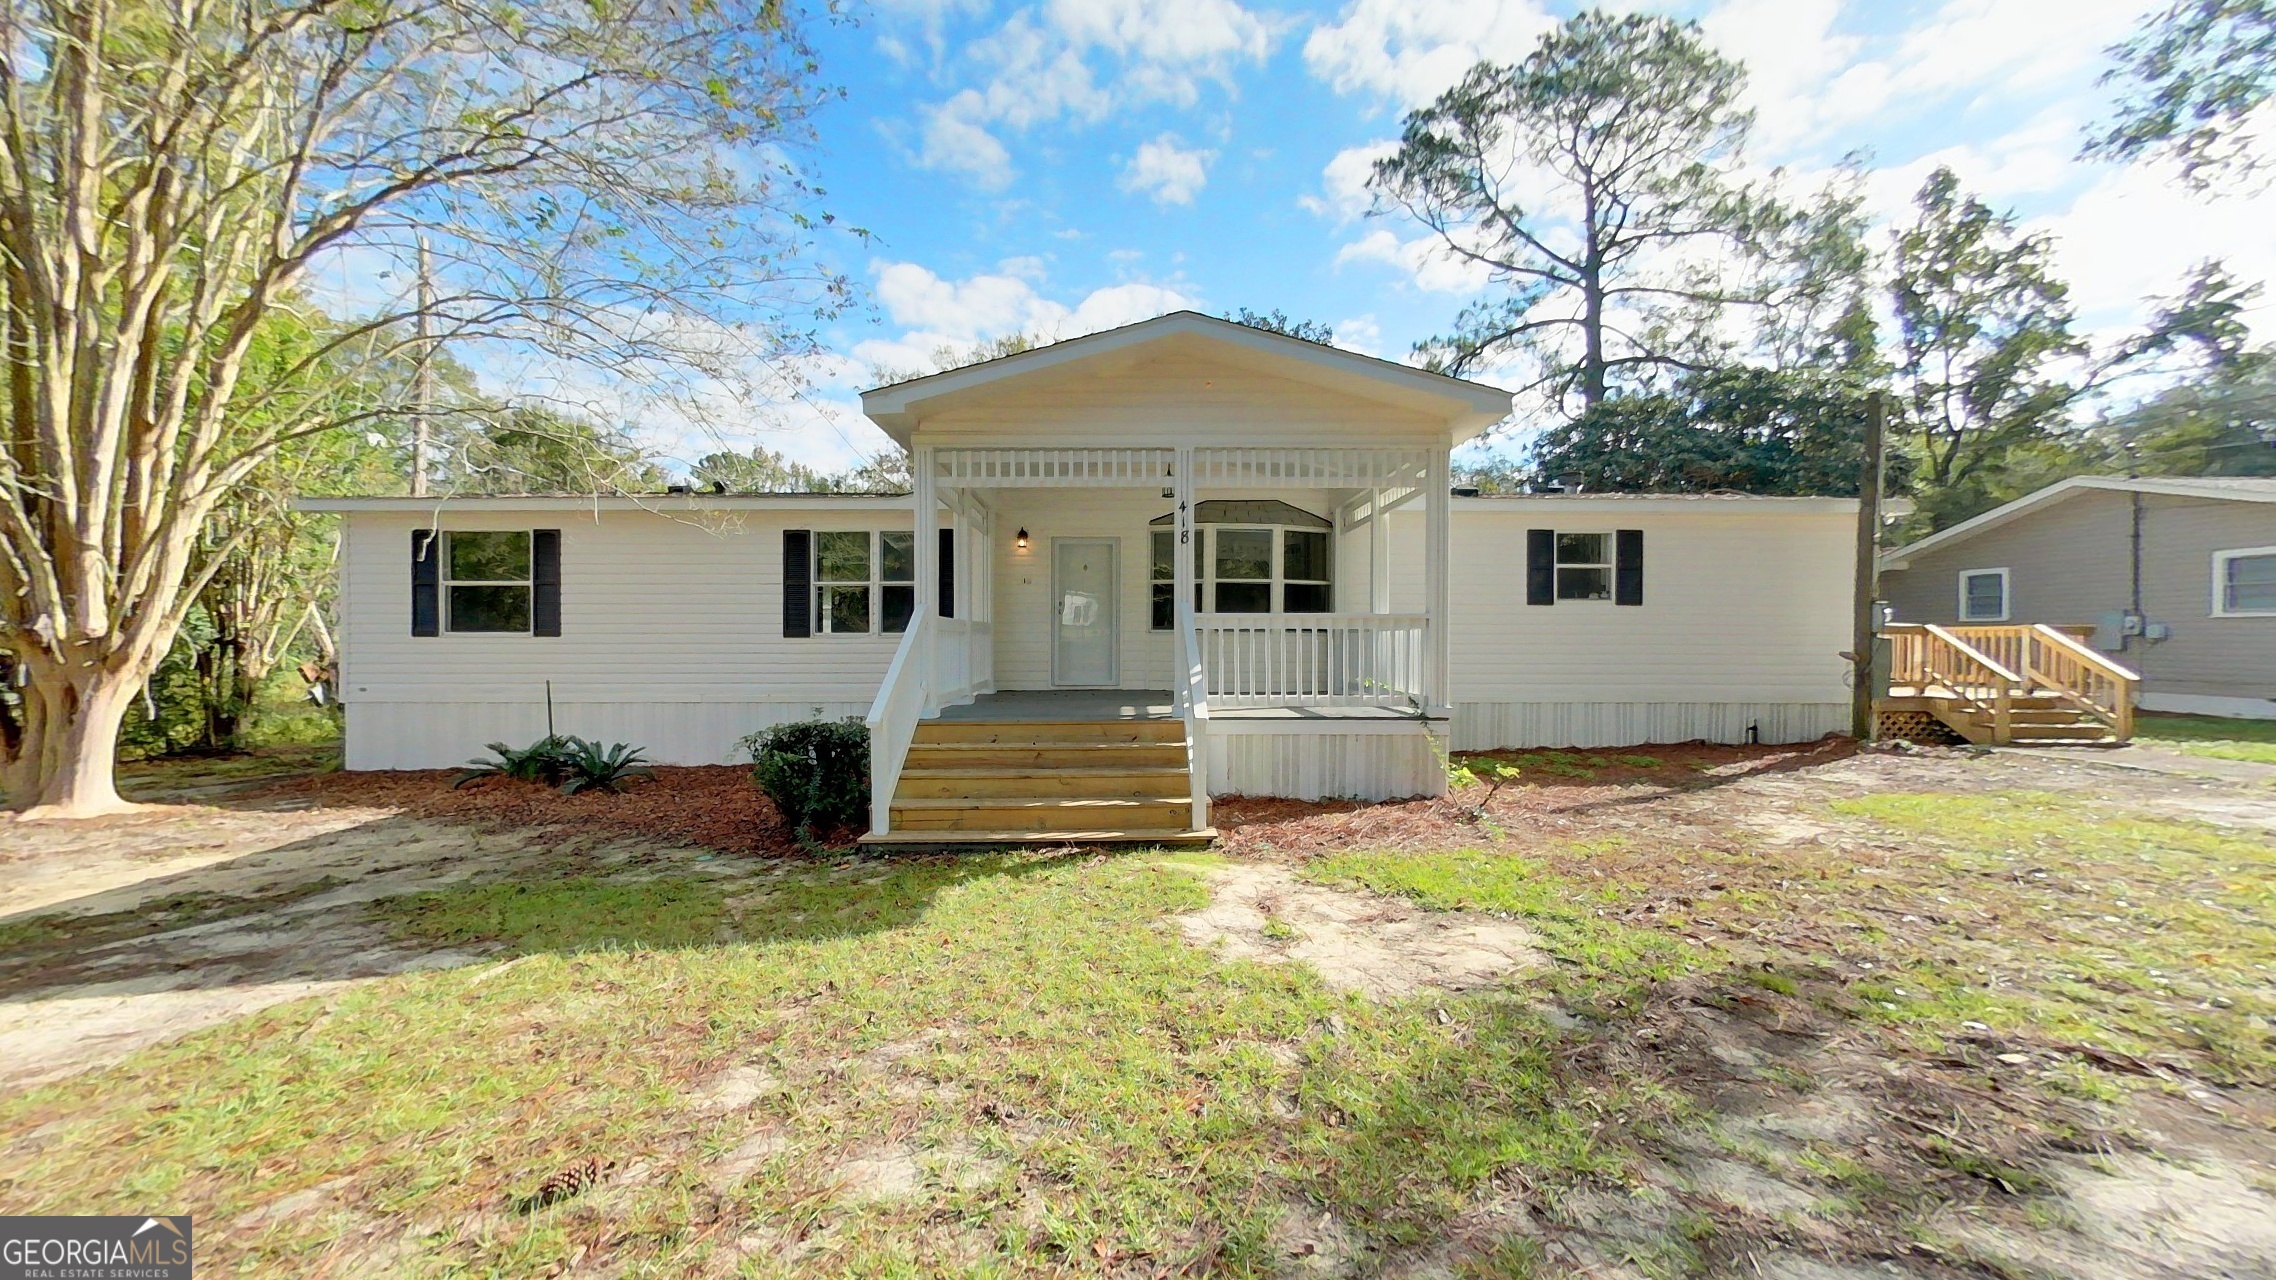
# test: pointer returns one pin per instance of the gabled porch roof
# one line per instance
(1466, 408)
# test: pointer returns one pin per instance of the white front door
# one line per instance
(1083, 631)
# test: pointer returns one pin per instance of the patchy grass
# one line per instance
(2081, 928)
(2220, 737)
(1573, 918)
(1079, 1087)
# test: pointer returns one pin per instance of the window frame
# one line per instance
(2006, 594)
(875, 584)
(2221, 562)
(1205, 577)
(1609, 565)
(446, 578)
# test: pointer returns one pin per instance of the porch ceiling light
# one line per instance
(1023, 539)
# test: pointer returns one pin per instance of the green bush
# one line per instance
(591, 766)
(545, 760)
(815, 771)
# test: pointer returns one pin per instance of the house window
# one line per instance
(1983, 595)
(486, 581)
(2244, 583)
(1584, 566)
(1249, 556)
(864, 582)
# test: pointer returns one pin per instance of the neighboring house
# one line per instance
(1216, 559)
(2177, 578)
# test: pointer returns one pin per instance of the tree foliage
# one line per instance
(1596, 184)
(2193, 76)
(603, 186)
(1983, 330)
(1277, 321)
(1743, 430)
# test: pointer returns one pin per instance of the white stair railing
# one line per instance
(1193, 706)
(902, 700)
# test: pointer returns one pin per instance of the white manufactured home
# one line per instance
(1179, 559)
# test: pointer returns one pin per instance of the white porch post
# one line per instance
(1436, 539)
(1378, 554)
(925, 496)
(1181, 548)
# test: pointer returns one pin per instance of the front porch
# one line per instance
(1244, 596)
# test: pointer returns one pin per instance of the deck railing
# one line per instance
(1986, 668)
(1314, 660)
(902, 700)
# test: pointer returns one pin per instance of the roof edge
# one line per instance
(2168, 486)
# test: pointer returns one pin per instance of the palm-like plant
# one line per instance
(587, 765)
(545, 760)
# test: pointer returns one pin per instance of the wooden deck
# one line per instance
(2010, 685)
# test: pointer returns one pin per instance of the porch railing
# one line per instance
(1192, 696)
(1314, 660)
(1986, 668)
(901, 701)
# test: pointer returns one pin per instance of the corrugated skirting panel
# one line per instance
(1486, 726)
(443, 735)
(1325, 766)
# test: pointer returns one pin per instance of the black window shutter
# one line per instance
(1540, 566)
(545, 582)
(1628, 566)
(797, 582)
(426, 583)
(948, 573)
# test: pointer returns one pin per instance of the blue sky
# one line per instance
(1065, 166)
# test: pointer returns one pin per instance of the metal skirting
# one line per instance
(1327, 765)
(1487, 726)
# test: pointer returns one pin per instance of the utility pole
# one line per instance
(423, 376)
(1864, 628)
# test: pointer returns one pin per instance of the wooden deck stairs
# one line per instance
(2022, 685)
(1045, 782)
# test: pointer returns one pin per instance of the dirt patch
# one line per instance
(2138, 1217)
(1380, 947)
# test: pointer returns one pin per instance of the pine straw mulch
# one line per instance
(718, 807)
(714, 807)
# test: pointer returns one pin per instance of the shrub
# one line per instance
(815, 771)
(545, 760)
(589, 765)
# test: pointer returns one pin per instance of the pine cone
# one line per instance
(568, 1182)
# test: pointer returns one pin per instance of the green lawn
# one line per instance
(1019, 1066)
(2218, 736)
(977, 1019)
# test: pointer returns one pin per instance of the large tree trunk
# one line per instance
(65, 764)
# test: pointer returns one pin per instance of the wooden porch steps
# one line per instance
(1044, 781)
(2037, 721)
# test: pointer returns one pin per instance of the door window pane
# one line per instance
(1245, 554)
(489, 557)
(489, 608)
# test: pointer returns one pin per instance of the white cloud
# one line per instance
(1361, 334)
(934, 313)
(956, 141)
(1343, 182)
(1081, 60)
(1424, 259)
(1166, 171)
(2135, 233)
(1410, 51)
